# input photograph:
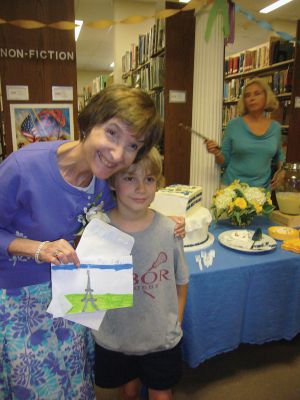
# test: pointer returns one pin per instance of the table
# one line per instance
(241, 298)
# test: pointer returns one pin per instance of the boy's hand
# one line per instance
(179, 230)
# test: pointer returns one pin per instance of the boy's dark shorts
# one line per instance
(159, 371)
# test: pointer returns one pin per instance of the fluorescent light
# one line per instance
(112, 64)
(79, 23)
(273, 6)
(184, 1)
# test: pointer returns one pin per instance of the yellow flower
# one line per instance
(258, 208)
(234, 184)
(230, 207)
(240, 202)
(269, 201)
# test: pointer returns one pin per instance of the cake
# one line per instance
(184, 200)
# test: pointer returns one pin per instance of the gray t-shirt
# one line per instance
(152, 323)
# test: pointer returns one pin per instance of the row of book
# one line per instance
(275, 51)
(247, 60)
(282, 114)
(98, 84)
(159, 100)
(149, 45)
(94, 87)
(280, 82)
(229, 112)
(149, 77)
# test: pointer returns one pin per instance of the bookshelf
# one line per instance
(89, 90)
(162, 63)
(143, 65)
(272, 61)
(278, 62)
(275, 63)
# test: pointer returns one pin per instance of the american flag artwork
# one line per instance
(41, 122)
(27, 127)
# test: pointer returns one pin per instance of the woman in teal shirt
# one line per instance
(251, 141)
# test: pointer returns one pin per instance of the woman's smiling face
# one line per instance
(110, 147)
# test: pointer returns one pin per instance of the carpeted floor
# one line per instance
(252, 372)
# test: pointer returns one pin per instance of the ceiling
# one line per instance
(95, 47)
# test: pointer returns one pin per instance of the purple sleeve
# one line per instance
(10, 183)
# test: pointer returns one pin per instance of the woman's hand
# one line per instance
(179, 230)
(277, 179)
(212, 147)
(58, 252)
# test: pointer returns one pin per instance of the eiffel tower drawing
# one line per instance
(88, 298)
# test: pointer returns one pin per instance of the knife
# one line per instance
(257, 236)
(188, 128)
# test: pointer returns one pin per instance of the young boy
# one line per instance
(142, 344)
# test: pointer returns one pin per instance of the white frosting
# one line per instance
(177, 200)
(183, 200)
(196, 227)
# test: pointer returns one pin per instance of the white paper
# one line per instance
(104, 279)
(17, 92)
(62, 93)
(101, 239)
(177, 96)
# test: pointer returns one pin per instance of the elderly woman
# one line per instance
(251, 141)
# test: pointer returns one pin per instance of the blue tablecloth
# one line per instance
(241, 298)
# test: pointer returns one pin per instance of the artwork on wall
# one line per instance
(40, 122)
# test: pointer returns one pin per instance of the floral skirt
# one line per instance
(41, 357)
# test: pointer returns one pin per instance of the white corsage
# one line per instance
(94, 211)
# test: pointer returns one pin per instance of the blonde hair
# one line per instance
(151, 163)
(271, 100)
(132, 106)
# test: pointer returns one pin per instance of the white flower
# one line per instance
(97, 212)
(224, 199)
(89, 213)
(255, 195)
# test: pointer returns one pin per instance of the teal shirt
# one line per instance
(248, 157)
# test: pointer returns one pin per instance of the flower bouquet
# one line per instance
(241, 203)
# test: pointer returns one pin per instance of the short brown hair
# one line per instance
(151, 162)
(271, 100)
(132, 106)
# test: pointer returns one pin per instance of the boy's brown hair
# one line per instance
(151, 164)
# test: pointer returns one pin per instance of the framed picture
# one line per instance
(40, 122)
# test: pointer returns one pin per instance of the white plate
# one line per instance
(241, 239)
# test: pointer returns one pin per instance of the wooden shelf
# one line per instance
(280, 96)
(284, 95)
(269, 68)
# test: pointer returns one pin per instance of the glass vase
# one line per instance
(245, 220)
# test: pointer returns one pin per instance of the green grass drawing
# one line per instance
(102, 301)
